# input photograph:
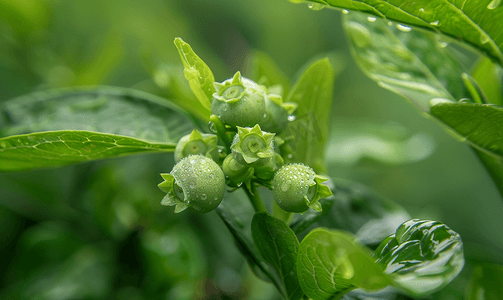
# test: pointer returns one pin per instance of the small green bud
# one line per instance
(235, 172)
(252, 146)
(197, 143)
(239, 101)
(196, 182)
(297, 188)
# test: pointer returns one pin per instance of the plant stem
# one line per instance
(279, 213)
(254, 197)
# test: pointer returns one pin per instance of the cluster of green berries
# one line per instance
(241, 111)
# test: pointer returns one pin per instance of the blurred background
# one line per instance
(97, 230)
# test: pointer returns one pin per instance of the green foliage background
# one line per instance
(97, 230)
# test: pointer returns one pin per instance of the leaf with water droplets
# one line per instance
(476, 22)
(278, 246)
(408, 62)
(422, 256)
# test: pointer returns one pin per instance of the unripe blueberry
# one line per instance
(195, 182)
(252, 146)
(239, 101)
(235, 172)
(296, 188)
(197, 143)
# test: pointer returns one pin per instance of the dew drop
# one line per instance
(192, 185)
(290, 156)
(345, 11)
(403, 28)
(421, 9)
(390, 23)
(193, 161)
(215, 198)
(371, 19)
(265, 115)
(291, 118)
(203, 196)
(435, 23)
(443, 44)
(315, 6)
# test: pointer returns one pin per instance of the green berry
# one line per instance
(277, 112)
(235, 172)
(239, 101)
(296, 188)
(195, 182)
(252, 146)
(197, 143)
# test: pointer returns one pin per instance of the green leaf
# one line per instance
(50, 149)
(486, 283)
(412, 64)
(111, 110)
(479, 124)
(330, 263)
(474, 22)
(197, 73)
(263, 69)
(422, 256)
(494, 166)
(490, 78)
(313, 93)
(384, 294)
(278, 246)
(237, 212)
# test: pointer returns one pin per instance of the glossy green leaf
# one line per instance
(489, 76)
(411, 63)
(422, 256)
(50, 149)
(330, 263)
(197, 73)
(475, 22)
(480, 124)
(486, 283)
(313, 93)
(263, 69)
(237, 212)
(111, 110)
(278, 246)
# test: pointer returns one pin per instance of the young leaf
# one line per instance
(197, 73)
(278, 246)
(476, 22)
(236, 212)
(486, 283)
(330, 263)
(117, 111)
(480, 124)
(313, 93)
(422, 256)
(51, 149)
(412, 64)
(263, 69)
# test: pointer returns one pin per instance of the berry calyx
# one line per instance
(296, 188)
(196, 182)
(197, 143)
(239, 101)
(252, 146)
